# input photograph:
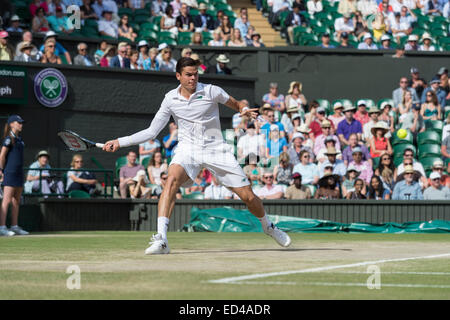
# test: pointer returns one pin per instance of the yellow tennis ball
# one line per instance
(402, 133)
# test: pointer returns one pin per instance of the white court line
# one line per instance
(340, 284)
(235, 280)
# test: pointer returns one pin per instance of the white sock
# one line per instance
(265, 222)
(163, 224)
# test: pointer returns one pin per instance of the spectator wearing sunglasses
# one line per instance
(270, 191)
(407, 189)
(398, 94)
(436, 191)
(309, 171)
(83, 59)
(121, 60)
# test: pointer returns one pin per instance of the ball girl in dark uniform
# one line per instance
(11, 174)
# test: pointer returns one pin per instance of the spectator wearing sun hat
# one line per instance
(221, 66)
(385, 42)
(438, 167)
(14, 27)
(361, 114)
(328, 143)
(374, 113)
(348, 126)
(6, 50)
(297, 146)
(407, 189)
(426, 43)
(379, 143)
(412, 42)
(319, 142)
(367, 43)
(203, 21)
(295, 96)
(26, 49)
(338, 165)
(338, 116)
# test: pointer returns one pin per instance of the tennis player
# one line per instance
(194, 106)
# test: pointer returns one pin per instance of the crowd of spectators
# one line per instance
(296, 149)
(386, 21)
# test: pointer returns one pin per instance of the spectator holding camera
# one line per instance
(41, 180)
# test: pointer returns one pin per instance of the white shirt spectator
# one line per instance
(251, 144)
(277, 5)
(365, 46)
(314, 6)
(398, 25)
(109, 27)
(341, 25)
(446, 10)
(445, 131)
(67, 3)
(264, 191)
(416, 165)
(430, 48)
(217, 192)
(367, 7)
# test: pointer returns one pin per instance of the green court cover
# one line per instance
(227, 219)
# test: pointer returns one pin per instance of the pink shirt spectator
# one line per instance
(366, 170)
(34, 7)
(362, 118)
(336, 120)
(319, 143)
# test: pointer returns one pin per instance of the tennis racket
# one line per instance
(75, 142)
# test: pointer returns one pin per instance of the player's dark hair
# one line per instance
(186, 62)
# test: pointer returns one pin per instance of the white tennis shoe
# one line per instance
(158, 245)
(4, 232)
(280, 237)
(19, 231)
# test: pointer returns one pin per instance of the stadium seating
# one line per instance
(194, 196)
(120, 162)
(79, 194)
(429, 150)
(428, 137)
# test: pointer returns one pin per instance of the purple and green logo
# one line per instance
(50, 87)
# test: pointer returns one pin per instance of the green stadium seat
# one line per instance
(446, 112)
(163, 36)
(155, 20)
(141, 19)
(120, 162)
(398, 161)
(400, 148)
(435, 125)
(91, 23)
(429, 150)
(325, 104)
(428, 137)
(149, 26)
(128, 11)
(345, 102)
(184, 38)
(79, 194)
(427, 163)
(148, 35)
(396, 140)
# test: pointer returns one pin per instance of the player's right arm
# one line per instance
(160, 120)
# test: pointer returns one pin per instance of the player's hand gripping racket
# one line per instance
(77, 143)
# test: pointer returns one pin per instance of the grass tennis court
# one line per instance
(225, 266)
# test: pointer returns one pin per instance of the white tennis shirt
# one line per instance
(197, 118)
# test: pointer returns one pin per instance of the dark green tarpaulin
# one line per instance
(227, 219)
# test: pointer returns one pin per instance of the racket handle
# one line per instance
(100, 145)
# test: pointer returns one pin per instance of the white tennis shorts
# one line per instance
(219, 160)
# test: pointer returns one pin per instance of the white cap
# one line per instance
(435, 175)
(367, 36)
(298, 135)
(142, 43)
(385, 37)
(162, 46)
(274, 127)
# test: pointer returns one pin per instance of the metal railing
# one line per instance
(107, 184)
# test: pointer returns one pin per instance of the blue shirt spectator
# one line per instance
(405, 191)
(434, 86)
(346, 127)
